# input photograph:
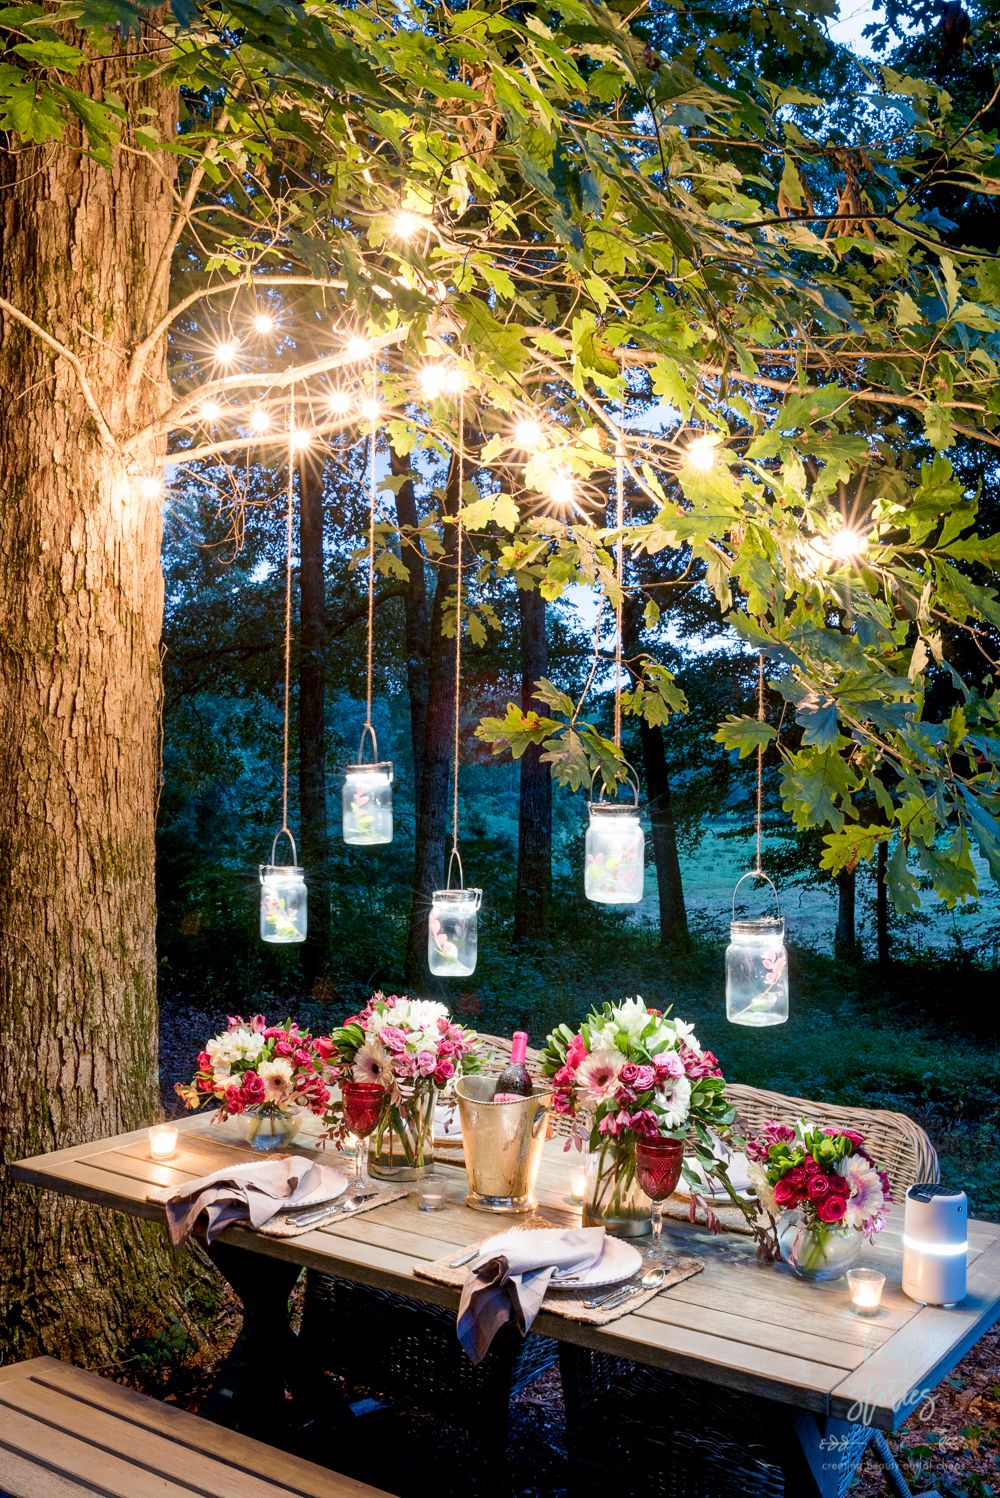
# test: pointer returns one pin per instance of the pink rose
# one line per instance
(576, 1052)
(426, 1062)
(324, 1047)
(564, 1077)
(234, 1101)
(283, 1048)
(644, 1122)
(204, 1061)
(831, 1209)
(393, 1038)
(443, 1072)
(776, 1133)
(628, 1074)
(252, 1088)
(669, 1065)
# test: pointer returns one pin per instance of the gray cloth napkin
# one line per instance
(251, 1193)
(510, 1286)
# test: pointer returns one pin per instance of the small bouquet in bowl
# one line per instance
(263, 1074)
(825, 1190)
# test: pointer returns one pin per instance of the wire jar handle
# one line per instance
(757, 874)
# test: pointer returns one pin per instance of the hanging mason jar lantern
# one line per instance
(757, 966)
(453, 927)
(282, 898)
(367, 797)
(615, 849)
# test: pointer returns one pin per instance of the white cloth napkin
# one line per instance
(510, 1284)
(738, 1172)
(251, 1193)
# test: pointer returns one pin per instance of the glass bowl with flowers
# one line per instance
(413, 1051)
(629, 1073)
(824, 1191)
(265, 1076)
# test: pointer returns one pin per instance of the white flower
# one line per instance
(375, 1022)
(276, 1076)
(598, 1074)
(371, 1064)
(673, 1102)
(632, 1017)
(234, 1045)
(867, 1197)
(685, 1034)
(420, 1014)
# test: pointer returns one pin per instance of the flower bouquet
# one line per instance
(631, 1072)
(412, 1049)
(265, 1075)
(825, 1190)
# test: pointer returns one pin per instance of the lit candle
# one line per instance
(432, 1194)
(577, 1186)
(162, 1142)
(866, 1291)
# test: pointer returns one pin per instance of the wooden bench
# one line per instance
(64, 1432)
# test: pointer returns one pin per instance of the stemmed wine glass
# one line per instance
(658, 1170)
(363, 1104)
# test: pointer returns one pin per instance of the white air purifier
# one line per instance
(935, 1244)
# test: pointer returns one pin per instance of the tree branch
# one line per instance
(107, 436)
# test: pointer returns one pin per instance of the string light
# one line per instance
(432, 381)
(701, 453)
(454, 381)
(299, 438)
(260, 420)
(371, 410)
(358, 347)
(847, 542)
(562, 488)
(338, 402)
(528, 434)
(151, 487)
(407, 225)
(225, 353)
(263, 323)
(210, 411)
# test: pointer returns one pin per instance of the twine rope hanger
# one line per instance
(372, 495)
(289, 517)
(619, 564)
(460, 464)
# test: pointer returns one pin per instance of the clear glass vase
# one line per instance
(613, 1198)
(402, 1146)
(267, 1128)
(817, 1250)
(367, 804)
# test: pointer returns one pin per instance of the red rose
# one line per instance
(797, 1176)
(839, 1186)
(324, 1047)
(786, 1194)
(819, 1186)
(831, 1209)
(204, 1061)
(252, 1088)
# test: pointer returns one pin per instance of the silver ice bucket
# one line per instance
(503, 1145)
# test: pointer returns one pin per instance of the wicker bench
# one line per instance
(64, 1432)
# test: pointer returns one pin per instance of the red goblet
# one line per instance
(363, 1105)
(658, 1169)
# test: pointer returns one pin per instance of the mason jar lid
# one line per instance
(281, 871)
(613, 810)
(458, 897)
(382, 768)
(765, 925)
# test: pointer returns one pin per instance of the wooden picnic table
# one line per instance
(740, 1324)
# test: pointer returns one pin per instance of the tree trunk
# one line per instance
(416, 612)
(845, 939)
(84, 251)
(313, 832)
(432, 798)
(669, 884)
(534, 822)
(882, 905)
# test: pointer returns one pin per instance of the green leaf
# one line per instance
(51, 54)
(744, 734)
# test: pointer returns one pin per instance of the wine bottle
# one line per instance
(514, 1082)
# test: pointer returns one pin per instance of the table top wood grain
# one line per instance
(740, 1324)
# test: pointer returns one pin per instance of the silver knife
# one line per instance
(463, 1258)
(303, 1219)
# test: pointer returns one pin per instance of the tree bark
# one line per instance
(882, 948)
(84, 251)
(432, 797)
(313, 829)
(534, 822)
(845, 939)
(669, 883)
(416, 614)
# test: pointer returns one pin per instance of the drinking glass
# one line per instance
(363, 1104)
(658, 1169)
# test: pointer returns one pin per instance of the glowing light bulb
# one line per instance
(225, 353)
(454, 381)
(151, 487)
(432, 378)
(562, 488)
(338, 402)
(528, 433)
(406, 225)
(263, 323)
(299, 438)
(847, 542)
(700, 453)
(260, 420)
(371, 410)
(210, 411)
(358, 347)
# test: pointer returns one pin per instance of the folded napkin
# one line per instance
(510, 1285)
(739, 1175)
(251, 1193)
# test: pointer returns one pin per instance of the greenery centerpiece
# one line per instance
(631, 1072)
(412, 1048)
(264, 1075)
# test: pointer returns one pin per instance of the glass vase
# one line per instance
(453, 932)
(817, 1250)
(267, 1128)
(367, 804)
(614, 854)
(402, 1146)
(613, 1198)
(757, 973)
(282, 904)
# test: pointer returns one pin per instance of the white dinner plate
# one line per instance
(739, 1176)
(618, 1262)
(334, 1184)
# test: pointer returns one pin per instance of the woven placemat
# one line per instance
(730, 1218)
(570, 1303)
(280, 1227)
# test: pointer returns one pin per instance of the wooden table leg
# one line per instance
(249, 1391)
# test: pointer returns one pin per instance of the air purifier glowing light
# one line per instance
(935, 1244)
